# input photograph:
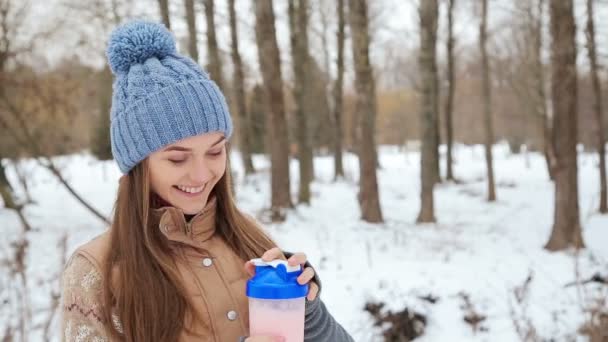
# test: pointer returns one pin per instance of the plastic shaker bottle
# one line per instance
(276, 300)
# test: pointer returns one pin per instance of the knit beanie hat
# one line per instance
(159, 96)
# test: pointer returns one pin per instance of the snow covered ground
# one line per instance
(480, 249)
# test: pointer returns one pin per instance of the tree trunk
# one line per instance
(191, 20)
(428, 12)
(541, 97)
(6, 190)
(566, 227)
(449, 101)
(239, 94)
(597, 103)
(258, 112)
(437, 142)
(270, 66)
(369, 200)
(101, 146)
(164, 12)
(337, 92)
(487, 100)
(215, 63)
(298, 22)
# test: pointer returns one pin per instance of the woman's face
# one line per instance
(184, 173)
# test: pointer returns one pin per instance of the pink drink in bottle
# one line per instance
(276, 300)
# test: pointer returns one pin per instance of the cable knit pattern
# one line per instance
(159, 96)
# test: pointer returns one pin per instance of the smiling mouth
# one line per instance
(189, 190)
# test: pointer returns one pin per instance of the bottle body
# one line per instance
(277, 317)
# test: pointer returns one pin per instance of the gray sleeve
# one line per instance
(319, 324)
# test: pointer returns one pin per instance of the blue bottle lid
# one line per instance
(275, 280)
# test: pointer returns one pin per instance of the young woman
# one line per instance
(173, 265)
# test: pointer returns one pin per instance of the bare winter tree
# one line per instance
(337, 93)
(369, 200)
(541, 97)
(270, 66)
(191, 21)
(215, 64)
(164, 12)
(105, 15)
(523, 70)
(597, 102)
(15, 123)
(301, 61)
(16, 116)
(11, 20)
(564, 96)
(449, 100)
(238, 85)
(487, 99)
(427, 60)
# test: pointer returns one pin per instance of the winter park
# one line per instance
(293, 170)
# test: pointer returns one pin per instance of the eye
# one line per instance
(215, 153)
(177, 161)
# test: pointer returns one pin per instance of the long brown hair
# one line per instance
(142, 286)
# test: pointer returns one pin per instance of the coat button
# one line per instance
(231, 315)
(207, 262)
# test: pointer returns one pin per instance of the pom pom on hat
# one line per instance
(137, 41)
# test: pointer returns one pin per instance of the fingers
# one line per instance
(306, 276)
(313, 291)
(297, 259)
(272, 254)
(250, 268)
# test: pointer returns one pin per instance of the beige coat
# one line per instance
(213, 275)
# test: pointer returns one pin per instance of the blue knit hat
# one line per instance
(159, 96)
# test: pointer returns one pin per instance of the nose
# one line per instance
(200, 172)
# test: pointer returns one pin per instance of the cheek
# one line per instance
(162, 179)
(219, 167)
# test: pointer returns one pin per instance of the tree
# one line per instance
(258, 111)
(449, 101)
(238, 85)
(487, 100)
(428, 12)
(270, 66)
(301, 61)
(214, 64)
(101, 146)
(566, 230)
(597, 102)
(337, 94)
(369, 200)
(164, 12)
(541, 97)
(191, 20)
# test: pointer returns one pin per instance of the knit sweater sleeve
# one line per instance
(319, 324)
(82, 318)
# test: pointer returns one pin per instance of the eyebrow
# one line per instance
(185, 149)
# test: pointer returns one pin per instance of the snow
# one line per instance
(482, 249)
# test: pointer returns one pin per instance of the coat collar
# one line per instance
(172, 223)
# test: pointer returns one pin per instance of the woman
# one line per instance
(173, 265)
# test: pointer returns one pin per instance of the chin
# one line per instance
(192, 211)
(193, 208)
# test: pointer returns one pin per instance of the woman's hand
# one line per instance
(265, 339)
(296, 259)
